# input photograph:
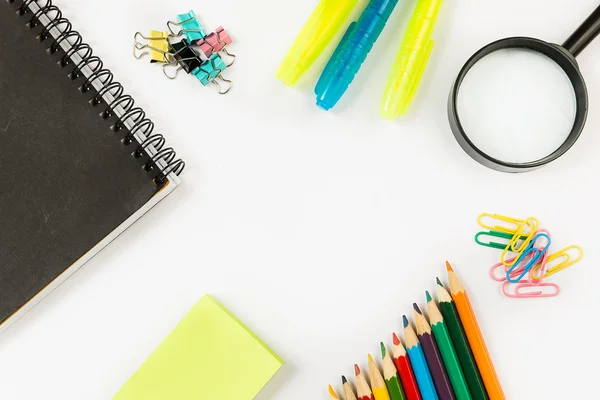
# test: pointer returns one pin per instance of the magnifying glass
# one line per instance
(520, 103)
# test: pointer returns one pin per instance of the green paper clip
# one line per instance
(496, 234)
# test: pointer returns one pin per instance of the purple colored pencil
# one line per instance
(433, 357)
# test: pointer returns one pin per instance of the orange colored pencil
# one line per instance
(475, 337)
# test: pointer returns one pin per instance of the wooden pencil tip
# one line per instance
(449, 267)
(416, 307)
(405, 321)
(333, 393)
(344, 380)
(383, 350)
(428, 296)
(439, 282)
(370, 358)
(356, 370)
(395, 339)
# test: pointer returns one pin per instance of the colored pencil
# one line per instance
(417, 359)
(405, 370)
(348, 391)
(380, 391)
(332, 394)
(442, 338)
(390, 374)
(433, 357)
(362, 387)
(461, 345)
(475, 337)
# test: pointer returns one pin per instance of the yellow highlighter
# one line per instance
(321, 27)
(411, 59)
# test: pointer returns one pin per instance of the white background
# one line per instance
(318, 229)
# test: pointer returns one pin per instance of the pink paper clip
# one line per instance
(514, 273)
(215, 42)
(519, 294)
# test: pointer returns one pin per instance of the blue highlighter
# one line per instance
(351, 52)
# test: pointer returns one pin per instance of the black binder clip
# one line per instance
(183, 57)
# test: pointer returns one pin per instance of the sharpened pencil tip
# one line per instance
(416, 307)
(383, 350)
(333, 393)
(405, 321)
(439, 282)
(344, 380)
(356, 370)
(395, 339)
(449, 267)
(370, 358)
(428, 296)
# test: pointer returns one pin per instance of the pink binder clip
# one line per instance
(215, 42)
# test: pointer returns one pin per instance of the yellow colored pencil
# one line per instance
(377, 383)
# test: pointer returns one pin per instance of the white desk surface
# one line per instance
(318, 229)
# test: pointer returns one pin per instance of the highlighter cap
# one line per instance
(315, 36)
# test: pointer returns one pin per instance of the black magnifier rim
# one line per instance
(556, 53)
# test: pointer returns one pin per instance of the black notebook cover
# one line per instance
(69, 179)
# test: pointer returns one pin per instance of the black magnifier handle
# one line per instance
(584, 35)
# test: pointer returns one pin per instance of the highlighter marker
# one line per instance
(411, 59)
(352, 51)
(321, 27)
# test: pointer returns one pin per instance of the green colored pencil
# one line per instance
(390, 375)
(442, 338)
(461, 345)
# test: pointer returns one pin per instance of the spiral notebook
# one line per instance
(80, 161)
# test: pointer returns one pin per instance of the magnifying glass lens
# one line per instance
(516, 105)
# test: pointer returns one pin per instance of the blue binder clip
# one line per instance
(190, 27)
(211, 71)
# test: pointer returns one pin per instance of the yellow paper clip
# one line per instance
(564, 264)
(531, 223)
(514, 223)
(157, 45)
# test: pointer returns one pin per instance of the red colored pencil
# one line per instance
(362, 387)
(407, 376)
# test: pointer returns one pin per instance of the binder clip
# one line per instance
(215, 42)
(190, 27)
(183, 58)
(156, 47)
(211, 72)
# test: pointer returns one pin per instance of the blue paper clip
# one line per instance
(190, 27)
(535, 253)
(211, 70)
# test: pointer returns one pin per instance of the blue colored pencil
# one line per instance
(419, 364)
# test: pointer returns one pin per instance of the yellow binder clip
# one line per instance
(156, 46)
(511, 225)
(566, 262)
(528, 229)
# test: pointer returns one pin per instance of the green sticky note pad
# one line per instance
(209, 355)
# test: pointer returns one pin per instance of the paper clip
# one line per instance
(211, 71)
(514, 224)
(502, 278)
(190, 27)
(183, 58)
(215, 42)
(495, 234)
(519, 294)
(158, 45)
(530, 222)
(566, 263)
(536, 254)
